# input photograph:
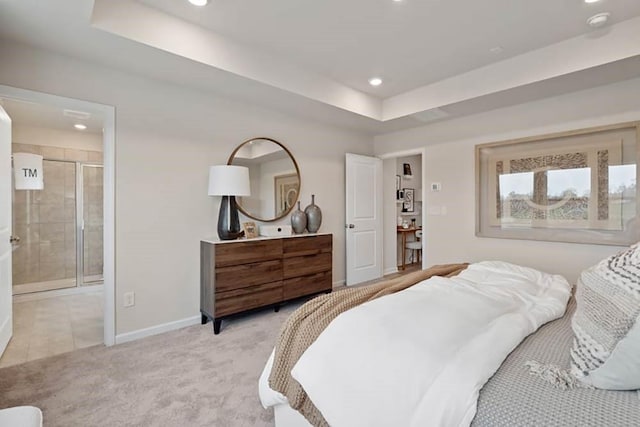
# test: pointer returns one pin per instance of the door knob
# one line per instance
(14, 239)
(350, 226)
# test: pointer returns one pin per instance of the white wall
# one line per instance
(389, 214)
(48, 137)
(166, 137)
(450, 160)
(414, 181)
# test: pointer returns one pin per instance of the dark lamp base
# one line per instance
(228, 221)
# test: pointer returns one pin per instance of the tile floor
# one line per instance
(52, 326)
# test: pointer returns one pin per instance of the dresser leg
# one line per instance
(276, 308)
(204, 318)
(216, 326)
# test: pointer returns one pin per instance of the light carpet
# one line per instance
(187, 377)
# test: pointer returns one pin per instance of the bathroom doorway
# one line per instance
(62, 229)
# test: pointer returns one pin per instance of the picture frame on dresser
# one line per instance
(250, 229)
(243, 275)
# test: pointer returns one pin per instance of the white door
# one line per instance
(364, 218)
(6, 326)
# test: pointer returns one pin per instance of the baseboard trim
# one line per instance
(391, 270)
(338, 283)
(158, 329)
(6, 331)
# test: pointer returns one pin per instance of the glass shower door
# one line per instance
(91, 225)
(45, 221)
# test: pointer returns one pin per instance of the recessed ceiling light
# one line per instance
(80, 126)
(375, 81)
(199, 2)
(591, 1)
(598, 20)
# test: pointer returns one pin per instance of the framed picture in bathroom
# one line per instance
(408, 203)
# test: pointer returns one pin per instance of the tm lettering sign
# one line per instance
(28, 171)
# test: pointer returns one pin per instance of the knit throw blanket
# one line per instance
(306, 323)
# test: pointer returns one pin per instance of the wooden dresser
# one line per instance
(241, 275)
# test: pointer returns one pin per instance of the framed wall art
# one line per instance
(286, 192)
(408, 202)
(578, 186)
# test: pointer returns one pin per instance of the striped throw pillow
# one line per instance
(606, 349)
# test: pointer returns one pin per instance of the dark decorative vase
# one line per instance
(228, 221)
(298, 220)
(314, 215)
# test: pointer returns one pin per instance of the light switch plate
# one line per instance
(436, 186)
(129, 299)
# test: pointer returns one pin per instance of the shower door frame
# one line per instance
(80, 276)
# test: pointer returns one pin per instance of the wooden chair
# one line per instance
(416, 245)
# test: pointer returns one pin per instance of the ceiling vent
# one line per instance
(79, 115)
(430, 115)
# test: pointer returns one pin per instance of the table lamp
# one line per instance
(229, 181)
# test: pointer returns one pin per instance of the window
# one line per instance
(575, 187)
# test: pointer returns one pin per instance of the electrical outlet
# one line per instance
(129, 299)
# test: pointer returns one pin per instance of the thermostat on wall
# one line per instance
(436, 186)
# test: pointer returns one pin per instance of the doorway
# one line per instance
(84, 235)
(404, 212)
(374, 210)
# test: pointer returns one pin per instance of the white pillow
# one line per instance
(606, 350)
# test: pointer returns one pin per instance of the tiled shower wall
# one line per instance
(45, 220)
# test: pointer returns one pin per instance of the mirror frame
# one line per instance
(293, 159)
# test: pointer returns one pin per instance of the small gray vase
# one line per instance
(314, 215)
(298, 220)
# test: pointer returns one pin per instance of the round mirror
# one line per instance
(274, 178)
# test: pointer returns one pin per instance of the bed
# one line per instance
(503, 393)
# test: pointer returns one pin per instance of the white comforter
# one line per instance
(420, 357)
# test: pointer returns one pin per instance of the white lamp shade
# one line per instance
(228, 180)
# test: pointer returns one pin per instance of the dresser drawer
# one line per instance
(239, 300)
(305, 265)
(311, 245)
(307, 285)
(237, 253)
(245, 275)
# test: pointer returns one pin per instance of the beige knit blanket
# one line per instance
(306, 323)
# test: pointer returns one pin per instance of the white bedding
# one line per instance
(420, 356)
